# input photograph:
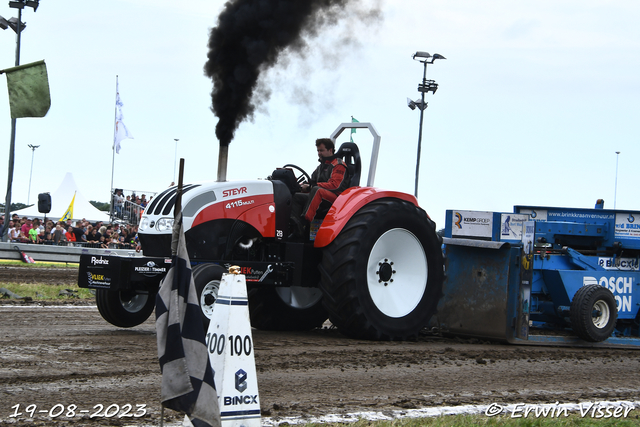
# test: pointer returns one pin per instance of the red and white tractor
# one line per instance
(372, 265)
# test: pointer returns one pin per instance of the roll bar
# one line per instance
(374, 149)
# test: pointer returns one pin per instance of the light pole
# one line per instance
(175, 160)
(33, 152)
(615, 191)
(424, 87)
(16, 25)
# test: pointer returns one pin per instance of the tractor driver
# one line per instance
(327, 182)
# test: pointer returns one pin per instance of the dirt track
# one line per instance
(69, 355)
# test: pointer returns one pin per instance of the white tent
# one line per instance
(60, 201)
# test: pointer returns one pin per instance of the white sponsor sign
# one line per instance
(512, 226)
(626, 264)
(627, 225)
(535, 214)
(471, 224)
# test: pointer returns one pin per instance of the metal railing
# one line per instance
(130, 212)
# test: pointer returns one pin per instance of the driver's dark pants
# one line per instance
(299, 203)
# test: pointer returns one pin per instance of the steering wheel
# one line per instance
(303, 178)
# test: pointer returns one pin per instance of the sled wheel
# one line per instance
(593, 313)
(125, 309)
(206, 278)
(382, 275)
(292, 308)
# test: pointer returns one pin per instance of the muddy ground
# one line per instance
(68, 355)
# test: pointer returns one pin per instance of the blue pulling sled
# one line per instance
(543, 275)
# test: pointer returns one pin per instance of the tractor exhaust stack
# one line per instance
(223, 157)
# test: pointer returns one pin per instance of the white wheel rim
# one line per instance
(299, 297)
(600, 320)
(397, 272)
(209, 290)
(135, 303)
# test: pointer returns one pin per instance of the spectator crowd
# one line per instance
(70, 233)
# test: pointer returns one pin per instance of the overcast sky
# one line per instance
(534, 100)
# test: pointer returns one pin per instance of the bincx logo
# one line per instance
(241, 380)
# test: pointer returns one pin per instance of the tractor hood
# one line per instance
(205, 201)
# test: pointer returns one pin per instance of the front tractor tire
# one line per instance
(382, 275)
(125, 308)
(206, 278)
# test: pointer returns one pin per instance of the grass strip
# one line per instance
(38, 264)
(47, 292)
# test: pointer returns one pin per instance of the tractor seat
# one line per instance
(350, 155)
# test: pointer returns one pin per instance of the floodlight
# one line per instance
(4, 24)
(16, 4)
(33, 4)
(13, 23)
(420, 54)
(419, 104)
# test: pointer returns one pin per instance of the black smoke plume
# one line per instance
(248, 39)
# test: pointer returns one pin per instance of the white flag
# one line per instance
(121, 131)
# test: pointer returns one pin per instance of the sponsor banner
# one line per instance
(627, 225)
(581, 216)
(150, 269)
(512, 226)
(99, 260)
(625, 264)
(535, 214)
(472, 224)
(95, 280)
(529, 235)
(253, 274)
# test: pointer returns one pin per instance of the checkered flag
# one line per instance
(187, 376)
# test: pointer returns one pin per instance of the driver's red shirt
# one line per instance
(331, 175)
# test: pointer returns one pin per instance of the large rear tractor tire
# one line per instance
(382, 275)
(206, 278)
(292, 308)
(125, 309)
(593, 313)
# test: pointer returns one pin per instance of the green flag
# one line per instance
(28, 87)
(352, 129)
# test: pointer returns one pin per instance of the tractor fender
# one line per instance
(346, 205)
